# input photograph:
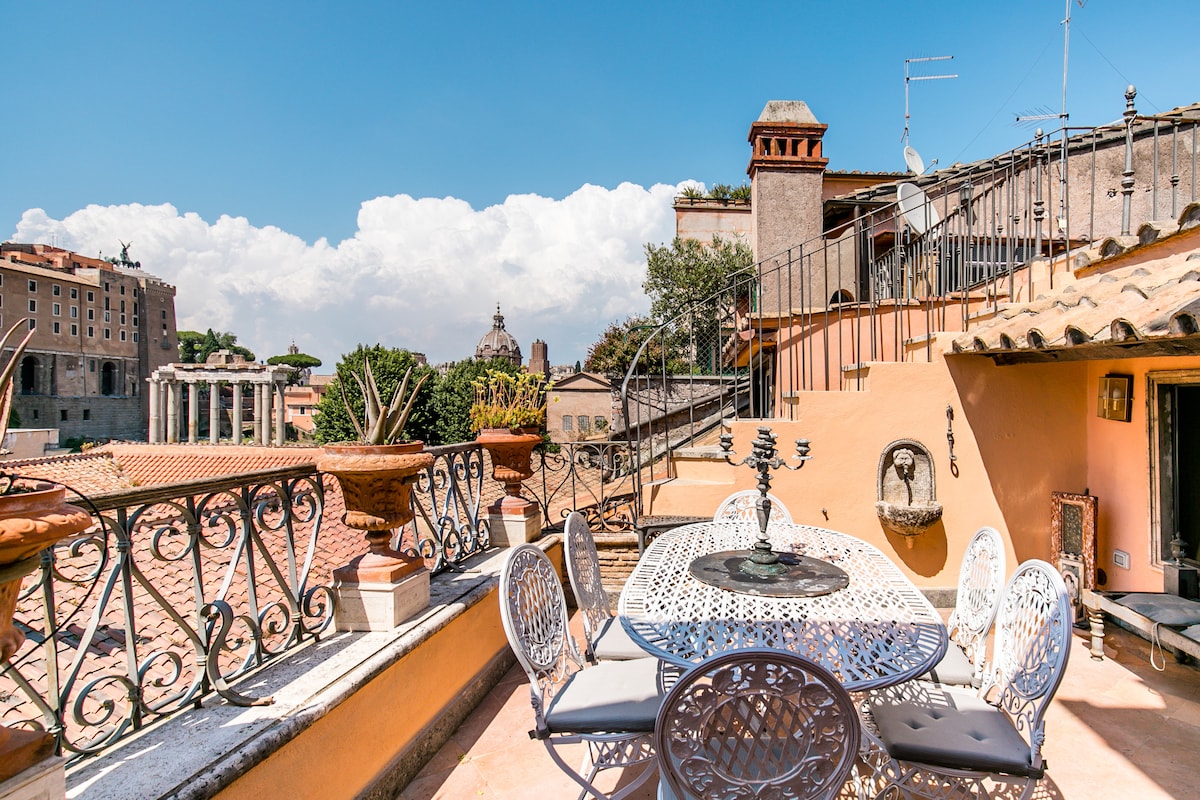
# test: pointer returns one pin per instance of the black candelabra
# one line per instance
(762, 560)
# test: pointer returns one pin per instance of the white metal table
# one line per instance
(878, 631)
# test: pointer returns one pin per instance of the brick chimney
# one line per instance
(786, 173)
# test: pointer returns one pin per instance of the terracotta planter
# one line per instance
(29, 523)
(376, 483)
(510, 450)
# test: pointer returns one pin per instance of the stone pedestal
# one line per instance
(45, 780)
(514, 521)
(379, 605)
(1181, 580)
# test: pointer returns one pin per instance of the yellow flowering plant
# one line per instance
(509, 400)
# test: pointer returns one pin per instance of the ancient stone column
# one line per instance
(155, 432)
(280, 424)
(265, 390)
(257, 389)
(174, 395)
(214, 412)
(193, 392)
(237, 412)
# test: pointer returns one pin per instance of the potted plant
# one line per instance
(33, 516)
(508, 414)
(377, 472)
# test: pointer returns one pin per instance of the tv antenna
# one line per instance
(911, 157)
(1062, 115)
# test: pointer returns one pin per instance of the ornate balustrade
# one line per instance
(594, 478)
(178, 591)
(450, 523)
(173, 594)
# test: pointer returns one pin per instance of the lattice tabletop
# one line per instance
(878, 631)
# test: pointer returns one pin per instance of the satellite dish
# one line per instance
(913, 159)
(916, 208)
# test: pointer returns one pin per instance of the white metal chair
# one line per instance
(606, 639)
(980, 581)
(936, 741)
(756, 722)
(611, 707)
(743, 505)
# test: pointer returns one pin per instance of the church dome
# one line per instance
(498, 343)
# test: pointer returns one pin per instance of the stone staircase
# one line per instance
(702, 479)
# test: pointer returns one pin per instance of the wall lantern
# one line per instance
(1116, 396)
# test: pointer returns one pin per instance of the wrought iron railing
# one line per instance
(897, 265)
(449, 501)
(173, 594)
(594, 478)
(179, 591)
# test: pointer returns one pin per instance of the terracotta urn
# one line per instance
(510, 450)
(30, 521)
(376, 483)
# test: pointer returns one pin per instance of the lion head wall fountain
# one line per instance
(907, 497)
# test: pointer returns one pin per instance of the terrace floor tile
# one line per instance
(1117, 728)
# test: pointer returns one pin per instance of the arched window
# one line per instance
(841, 296)
(29, 375)
(108, 378)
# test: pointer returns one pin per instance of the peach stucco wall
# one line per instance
(814, 348)
(1119, 474)
(1027, 426)
(344, 752)
(1020, 433)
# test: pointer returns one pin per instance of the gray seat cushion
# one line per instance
(952, 728)
(1167, 609)
(954, 669)
(614, 644)
(1192, 633)
(610, 696)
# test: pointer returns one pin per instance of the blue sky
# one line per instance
(343, 172)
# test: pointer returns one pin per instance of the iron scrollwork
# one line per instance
(170, 597)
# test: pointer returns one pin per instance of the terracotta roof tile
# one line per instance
(157, 464)
(86, 473)
(1141, 303)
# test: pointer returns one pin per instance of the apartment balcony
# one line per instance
(434, 708)
(185, 646)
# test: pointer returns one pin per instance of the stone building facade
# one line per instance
(101, 328)
(580, 407)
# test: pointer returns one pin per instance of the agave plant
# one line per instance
(6, 375)
(383, 424)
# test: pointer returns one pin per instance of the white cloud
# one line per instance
(425, 273)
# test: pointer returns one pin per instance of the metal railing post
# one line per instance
(1039, 203)
(1127, 176)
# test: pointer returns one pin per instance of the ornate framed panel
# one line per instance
(1073, 540)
